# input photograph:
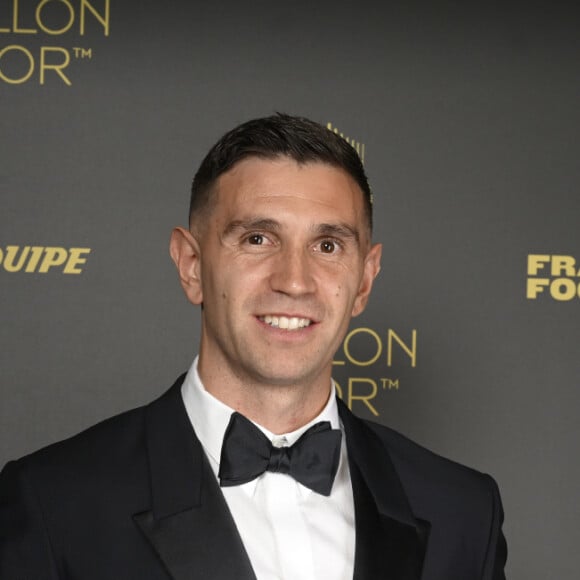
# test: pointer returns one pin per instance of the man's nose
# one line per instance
(292, 273)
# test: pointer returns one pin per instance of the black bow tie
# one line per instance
(247, 453)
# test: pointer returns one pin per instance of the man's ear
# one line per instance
(371, 268)
(185, 252)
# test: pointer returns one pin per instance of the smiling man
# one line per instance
(249, 467)
(281, 263)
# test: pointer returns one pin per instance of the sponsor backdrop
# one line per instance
(467, 118)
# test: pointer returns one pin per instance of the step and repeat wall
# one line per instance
(467, 118)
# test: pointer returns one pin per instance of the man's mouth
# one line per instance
(286, 322)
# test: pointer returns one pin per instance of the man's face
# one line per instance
(284, 261)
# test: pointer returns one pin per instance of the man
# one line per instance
(249, 466)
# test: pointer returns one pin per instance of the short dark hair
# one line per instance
(279, 135)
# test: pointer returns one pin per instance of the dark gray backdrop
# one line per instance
(469, 116)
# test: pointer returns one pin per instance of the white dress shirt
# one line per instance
(288, 531)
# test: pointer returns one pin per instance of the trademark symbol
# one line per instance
(82, 53)
(390, 384)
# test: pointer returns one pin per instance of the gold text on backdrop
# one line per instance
(41, 259)
(50, 18)
(357, 145)
(559, 275)
(365, 347)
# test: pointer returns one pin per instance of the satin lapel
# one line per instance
(390, 541)
(189, 526)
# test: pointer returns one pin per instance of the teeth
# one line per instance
(286, 323)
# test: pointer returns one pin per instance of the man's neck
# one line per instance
(280, 408)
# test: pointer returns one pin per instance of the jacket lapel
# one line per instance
(390, 541)
(191, 529)
(189, 526)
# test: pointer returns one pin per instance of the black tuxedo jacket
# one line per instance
(134, 498)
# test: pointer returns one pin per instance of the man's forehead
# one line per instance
(262, 179)
(277, 210)
(276, 188)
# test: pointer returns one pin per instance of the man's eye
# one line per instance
(327, 246)
(256, 239)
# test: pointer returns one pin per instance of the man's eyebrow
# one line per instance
(335, 230)
(340, 230)
(248, 225)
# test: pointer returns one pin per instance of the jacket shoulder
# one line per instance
(411, 456)
(109, 440)
(430, 478)
(107, 445)
(462, 505)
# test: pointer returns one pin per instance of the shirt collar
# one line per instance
(210, 417)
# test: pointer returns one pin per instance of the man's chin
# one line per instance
(290, 375)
